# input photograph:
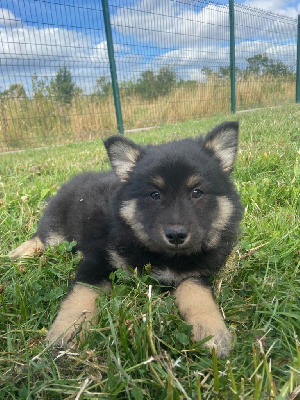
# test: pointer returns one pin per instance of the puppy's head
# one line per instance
(177, 197)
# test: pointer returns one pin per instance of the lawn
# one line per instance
(141, 349)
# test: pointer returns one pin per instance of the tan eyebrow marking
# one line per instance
(158, 181)
(193, 181)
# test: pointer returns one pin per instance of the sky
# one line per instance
(38, 37)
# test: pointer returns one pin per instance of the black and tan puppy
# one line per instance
(173, 206)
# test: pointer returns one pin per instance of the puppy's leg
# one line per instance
(29, 248)
(76, 313)
(198, 308)
(35, 246)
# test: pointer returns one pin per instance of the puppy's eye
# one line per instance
(155, 195)
(197, 193)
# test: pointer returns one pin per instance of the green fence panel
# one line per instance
(175, 60)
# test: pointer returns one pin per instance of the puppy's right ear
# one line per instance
(223, 142)
(123, 155)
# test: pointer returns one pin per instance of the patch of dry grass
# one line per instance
(41, 121)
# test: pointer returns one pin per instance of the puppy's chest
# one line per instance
(167, 271)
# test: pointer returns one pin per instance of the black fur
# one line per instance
(172, 205)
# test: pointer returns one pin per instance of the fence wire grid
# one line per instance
(172, 63)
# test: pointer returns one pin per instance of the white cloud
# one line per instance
(99, 52)
(276, 6)
(194, 74)
(48, 43)
(190, 56)
(190, 39)
(150, 34)
(8, 19)
(165, 24)
(28, 50)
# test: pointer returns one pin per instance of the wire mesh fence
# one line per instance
(172, 62)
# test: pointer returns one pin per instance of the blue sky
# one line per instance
(37, 37)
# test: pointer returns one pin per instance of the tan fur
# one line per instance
(35, 246)
(198, 308)
(225, 210)
(158, 181)
(225, 154)
(125, 164)
(193, 181)
(30, 248)
(54, 239)
(76, 313)
(128, 212)
(118, 261)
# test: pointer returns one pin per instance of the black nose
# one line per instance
(176, 234)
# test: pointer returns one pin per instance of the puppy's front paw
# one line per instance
(30, 248)
(59, 338)
(198, 308)
(77, 312)
(221, 338)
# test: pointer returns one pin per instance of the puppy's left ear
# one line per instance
(223, 142)
(123, 155)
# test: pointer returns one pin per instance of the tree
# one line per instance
(103, 87)
(146, 85)
(278, 68)
(127, 88)
(151, 85)
(208, 72)
(15, 91)
(262, 64)
(257, 64)
(40, 87)
(165, 81)
(62, 87)
(224, 72)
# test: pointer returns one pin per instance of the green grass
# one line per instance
(141, 349)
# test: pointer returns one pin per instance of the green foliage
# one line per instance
(127, 87)
(148, 86)
(262, 64)
(258, 65)
(152, 85)
(15, 91)
(62, 86)
(40, 87)
(140, 348)
(207, 71)
(103, 87)
(224, 72)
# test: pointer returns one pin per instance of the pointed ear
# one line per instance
(123, 155)
(223, 142)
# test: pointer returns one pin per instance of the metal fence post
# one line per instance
(232, 56)
(112, 65)
(298, 64)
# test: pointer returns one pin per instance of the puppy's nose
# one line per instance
(176, 234)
